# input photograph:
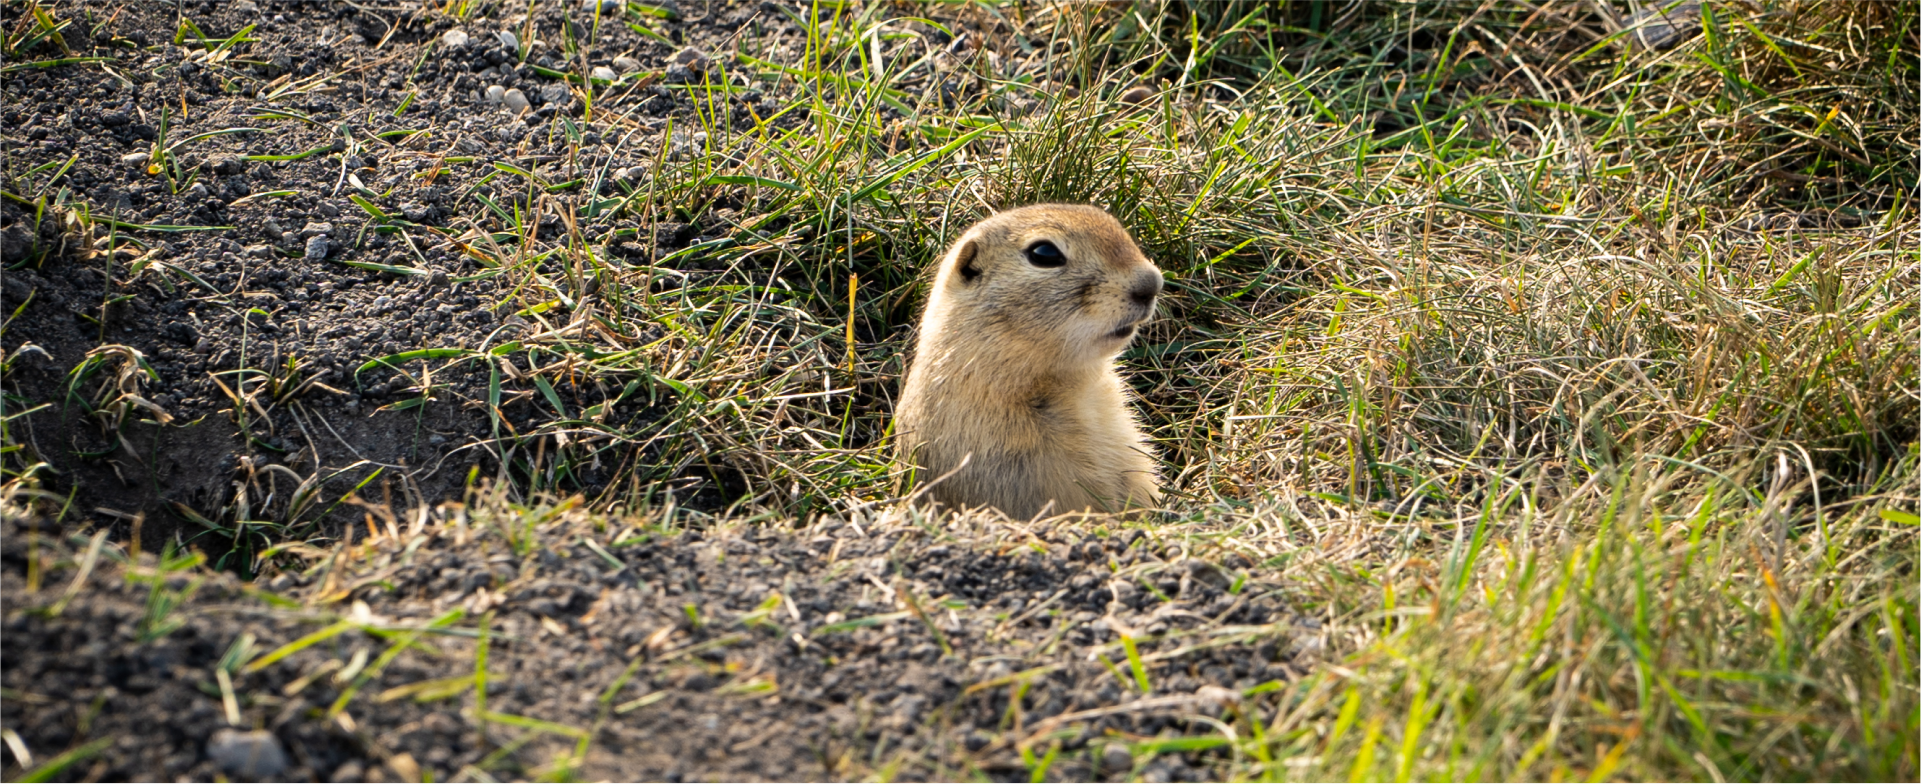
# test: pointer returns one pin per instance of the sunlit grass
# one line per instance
(1570, 385)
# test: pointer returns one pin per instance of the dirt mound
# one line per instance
(254, 201)
(620, 649)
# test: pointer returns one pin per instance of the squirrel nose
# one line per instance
(1146, 289)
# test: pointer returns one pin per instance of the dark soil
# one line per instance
(754, 654)
(240, 296)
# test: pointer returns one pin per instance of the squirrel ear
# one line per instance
(964, 261)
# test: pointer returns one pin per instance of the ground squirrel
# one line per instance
(1012, 400)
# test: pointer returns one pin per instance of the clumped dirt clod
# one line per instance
(833, 652)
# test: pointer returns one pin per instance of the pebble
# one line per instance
(1208, 573)
(508, 40)
(260, 251)
(197, 192)
(1214, 698)
(693, 58)
(603, 72)
(453, 39)
(316, 249)
(678, 74)
(495, 93)
(1115, 758)
(351, 770)
(316, 229)
(1137, 95)
(134, 158)
(516, 101)
(626, 64)
(253, 755)
(605, 6)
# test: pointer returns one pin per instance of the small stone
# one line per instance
(197, 192)
(316, 249)
(253, 755)
(273, 228)
(516, 101)
(1214, 698)
(1208, 573)
(604, 6)
(453, 39)
(228, 165)
(1664, 25)
(508, 40)
(694, 59)
(678, 74)
(246, 7)
(555, 93)
(381, 303)
(1138, 94)
(260, 251)
(135, 158)
(1116, 759)
(404, 766)
(625, 64)
(495, 93)
(316, 230)
(352, 770)
(603, 72)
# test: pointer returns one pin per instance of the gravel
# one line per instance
(754, 654)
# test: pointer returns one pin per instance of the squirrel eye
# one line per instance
(1044, 254)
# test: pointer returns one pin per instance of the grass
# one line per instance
(1571, 384)
(1546, 413)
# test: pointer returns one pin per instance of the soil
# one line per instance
(264, 272)
(136, 300)
(754, 654)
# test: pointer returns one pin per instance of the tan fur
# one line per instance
(1014, 372)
